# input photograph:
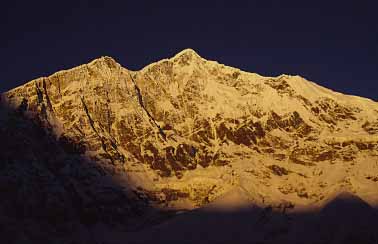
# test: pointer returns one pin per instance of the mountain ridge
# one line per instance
(188, 51)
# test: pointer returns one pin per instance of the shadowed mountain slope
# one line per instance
(345, 219)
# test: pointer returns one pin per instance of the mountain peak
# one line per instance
(187, 54)
(187, 51)
(105, 60)
(185, 57)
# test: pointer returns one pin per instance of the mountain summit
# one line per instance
(184, 131)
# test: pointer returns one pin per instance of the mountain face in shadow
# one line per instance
(99, 150)
(50, 192)
(345, 219)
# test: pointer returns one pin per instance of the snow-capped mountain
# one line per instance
(186, 133)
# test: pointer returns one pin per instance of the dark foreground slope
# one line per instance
(345, 220)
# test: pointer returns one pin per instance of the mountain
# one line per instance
(182, 134)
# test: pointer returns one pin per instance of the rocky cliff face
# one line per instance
(183, 131)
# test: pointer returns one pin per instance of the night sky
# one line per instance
(334, 43)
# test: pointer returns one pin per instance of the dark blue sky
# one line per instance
(334, 43)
